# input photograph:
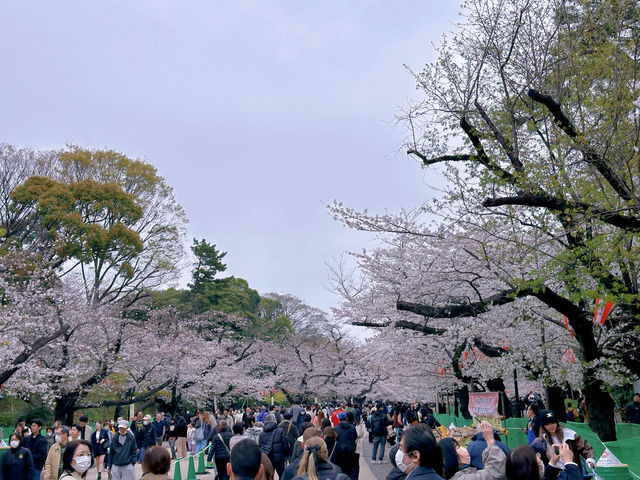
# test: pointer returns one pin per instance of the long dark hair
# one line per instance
(450, 457)
(522, 464)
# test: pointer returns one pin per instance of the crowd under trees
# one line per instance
(530, 113)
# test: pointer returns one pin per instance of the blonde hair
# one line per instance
(308, 465)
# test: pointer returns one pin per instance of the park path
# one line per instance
(368, 471)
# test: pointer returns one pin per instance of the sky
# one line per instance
(257, 113)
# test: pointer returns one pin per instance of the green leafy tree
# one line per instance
(208, 263)
(110, 219)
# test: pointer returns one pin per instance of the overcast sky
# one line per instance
(258, 113)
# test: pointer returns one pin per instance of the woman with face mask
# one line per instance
(16, 463)
(76, 460)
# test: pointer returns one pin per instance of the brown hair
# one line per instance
(320, 418)
(559, 433)
(314, 449)
(156, 460)
(267, 467)
(329, 432)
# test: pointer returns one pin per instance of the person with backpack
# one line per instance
(377, 426)
(221, 449)
(273, 442)
(290, 431)
(345, 455)
(315, 464)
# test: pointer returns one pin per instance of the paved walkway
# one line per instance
(368, 470)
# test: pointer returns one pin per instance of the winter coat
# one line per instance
(291, 432)
(579, 446)
(493, 459)
(345, 444)
(261, 416)
(100, 448)
(16, 464)
(52, 463)
(274, 443)
(38, 446)
(423, 473)
(123, 454)
(377, 423)
(632, 412)
(146, 436)
(220, 447)
(326, 471)
(253, 433)
(478, 445)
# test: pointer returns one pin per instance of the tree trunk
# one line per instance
(497, 385)
(64, 409)
(600, 406)
(463, 395)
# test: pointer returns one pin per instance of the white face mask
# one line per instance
(82, 463)
(58, 438)
(399, 456)
(145, 422)
(14, 443)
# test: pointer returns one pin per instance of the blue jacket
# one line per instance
(423, 473)
(261, 416)
(273, 440)
(477, 446)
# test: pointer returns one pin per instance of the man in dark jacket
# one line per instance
(145, 436)
(396, 473)
(477, 446)
(38, 446)
(290, 431)
(123, 454)
(273, 442)
(632, 412)
(377, 425)
(345, 448)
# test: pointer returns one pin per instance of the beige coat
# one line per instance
(52, 463)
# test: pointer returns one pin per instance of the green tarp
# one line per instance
(627, 430)
(627, 451)
(447, 420)
(516, 437)
(615, 473)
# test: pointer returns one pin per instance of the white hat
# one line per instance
(123, 424)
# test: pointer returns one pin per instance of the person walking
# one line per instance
(172, 436)
(378, 423)
(52, 468)
(345, 450)
(123, 454)
(181, 437)
(16, 463)
(273, 442)
(221, 448)
(76, 460)
(38, 446)
(99, 447)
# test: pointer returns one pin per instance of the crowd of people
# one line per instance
(297, 443)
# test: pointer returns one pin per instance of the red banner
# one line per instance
(484, 404)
